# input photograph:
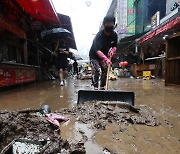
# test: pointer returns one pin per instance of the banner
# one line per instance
(16, 75)
(130, 17)
(166, 27)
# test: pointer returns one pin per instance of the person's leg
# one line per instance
(61, 77)
(95, 73)
(65, 72)
(77, 71)
(104, 67)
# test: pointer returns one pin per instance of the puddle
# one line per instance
(78, 132)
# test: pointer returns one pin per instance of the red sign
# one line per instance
(166, 27)
(12, 76)
(12, 28)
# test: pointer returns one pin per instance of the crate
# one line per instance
(147, 74)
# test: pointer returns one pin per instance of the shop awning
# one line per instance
(40, 9)
(126, 43)
(162, 28)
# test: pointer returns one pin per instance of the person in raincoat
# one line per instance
(103, 46)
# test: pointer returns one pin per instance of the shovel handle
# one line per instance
(107, 78)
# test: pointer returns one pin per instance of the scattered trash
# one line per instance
(45, 109)
(22, 146)
(56, 119)
(106, 151)
(33, 126)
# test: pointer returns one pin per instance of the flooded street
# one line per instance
(38, 94)
(163, 103)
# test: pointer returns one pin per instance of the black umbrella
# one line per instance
(55, 33)
(60, 33)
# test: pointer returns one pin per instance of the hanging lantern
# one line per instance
(125, 63)
(121, 64)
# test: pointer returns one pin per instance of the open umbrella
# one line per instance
(58, 33)
(55, 33)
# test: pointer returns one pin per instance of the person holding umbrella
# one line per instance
(62, 53)
(104, 45)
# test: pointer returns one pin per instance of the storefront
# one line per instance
(20, 46)
(153, 45)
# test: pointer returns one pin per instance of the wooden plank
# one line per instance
(167, 72)
(174, 85)
(174, 58)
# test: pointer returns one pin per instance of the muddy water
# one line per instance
(163, 101)
(35, 95)
(76, 131)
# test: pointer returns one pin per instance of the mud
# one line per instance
(33, 126)
(160, 101)
(99, 114)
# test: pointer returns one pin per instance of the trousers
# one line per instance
(99, 68)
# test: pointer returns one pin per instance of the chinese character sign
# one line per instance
(130, 17)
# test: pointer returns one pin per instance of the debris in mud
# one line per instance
(107, 151)
(122, 130)
(84, 137)
(100, 113)
(34, 126)
(100, 125)
(168, 123)
(78, 148)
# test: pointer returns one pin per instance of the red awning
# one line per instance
(40, 9)
(173, 23)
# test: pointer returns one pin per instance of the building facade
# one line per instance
(170, 4)
(145, 10)
(125, 18)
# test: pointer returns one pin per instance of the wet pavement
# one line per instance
(162, 101)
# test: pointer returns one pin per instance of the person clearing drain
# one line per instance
(104, 45)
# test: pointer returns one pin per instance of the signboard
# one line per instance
(123, 16)
(16, 75)
(163, 28)
(155, 20)
(139, 5)
(130, 17)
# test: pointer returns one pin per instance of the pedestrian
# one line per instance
(75, 67)
(62, 61)
(104, 41)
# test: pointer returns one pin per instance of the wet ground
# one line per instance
(162, 102)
